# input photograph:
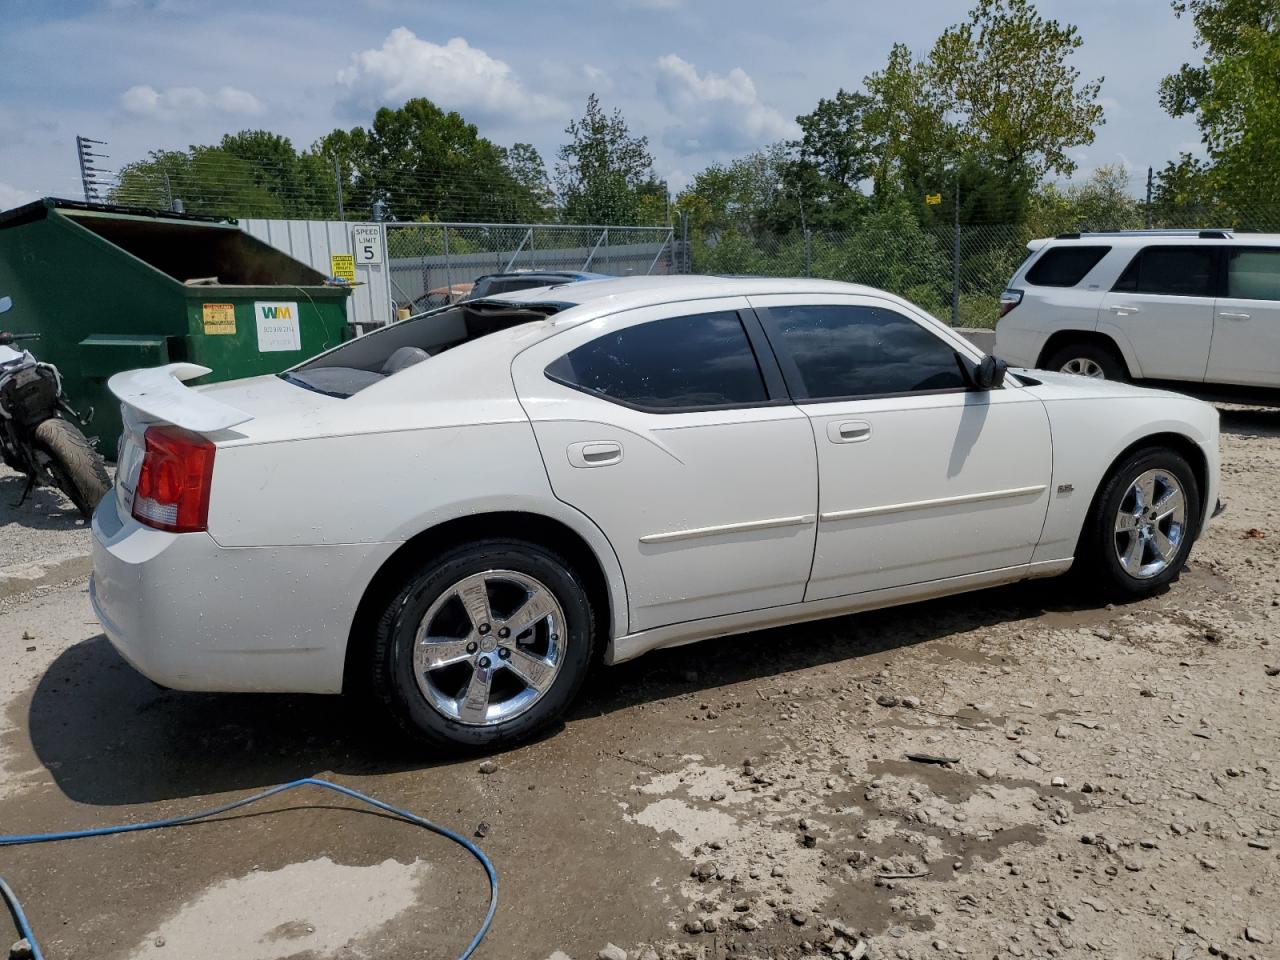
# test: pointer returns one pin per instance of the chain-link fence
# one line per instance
(956, 274)
(436, 263)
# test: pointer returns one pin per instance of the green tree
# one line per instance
(1005, 76)
(207, 180)
(423, 161)
(525, 167)
(1234, 97)
(909, 136)
(603, 173)
(745, 194)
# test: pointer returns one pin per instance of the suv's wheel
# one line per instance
(1143, 522)
(1088, 360)
(489, 643)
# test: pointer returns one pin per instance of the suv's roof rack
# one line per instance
(1216, 233)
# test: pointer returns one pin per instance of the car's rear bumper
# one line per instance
(193, 615)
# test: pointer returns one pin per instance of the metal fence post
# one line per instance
(955, 275)
(448, 266)
(808, 254)
(686, 255)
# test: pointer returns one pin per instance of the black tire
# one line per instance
(393, 674)
(1097, 559)
(77, 468)
(1108, 361)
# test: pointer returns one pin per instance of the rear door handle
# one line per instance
(848, 431)
(1122, 309)
(1232, 315)
(595, 453)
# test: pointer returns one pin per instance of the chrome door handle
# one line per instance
(1232, 315)
(595, 453)
(1122, 309)
(848, 431)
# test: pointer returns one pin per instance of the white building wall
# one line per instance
(314, 242)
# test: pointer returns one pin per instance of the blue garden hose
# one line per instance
(24, 927)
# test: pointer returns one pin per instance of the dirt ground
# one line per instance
(1112, 788)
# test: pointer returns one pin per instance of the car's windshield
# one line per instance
(374, 357)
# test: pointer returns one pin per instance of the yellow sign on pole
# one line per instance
(219, 319)
(343, 266)
(933, 199)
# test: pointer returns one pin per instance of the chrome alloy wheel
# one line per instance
(489, 647)
(1084, 367)
(1150, 524)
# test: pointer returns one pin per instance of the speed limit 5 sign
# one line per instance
(366, 242)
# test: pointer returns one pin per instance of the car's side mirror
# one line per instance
(6, 304)
(989, 374)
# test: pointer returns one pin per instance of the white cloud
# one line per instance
(653, 4)
(11, 196)
(456, 76)
(174, 102)
(716, 113)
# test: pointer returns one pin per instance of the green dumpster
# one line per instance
(113, 288)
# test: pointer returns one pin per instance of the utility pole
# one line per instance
(337, 180)
(88, 172)
(1150, 186)
(955, 260)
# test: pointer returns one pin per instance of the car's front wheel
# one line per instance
(487, 644)
(1142, 525)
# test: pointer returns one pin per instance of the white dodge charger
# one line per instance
(460, 510)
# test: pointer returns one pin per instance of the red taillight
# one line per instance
(1008, 300)
(174, 482)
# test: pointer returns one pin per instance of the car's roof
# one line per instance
(538, 274)
(1142, 238)
(589, 298)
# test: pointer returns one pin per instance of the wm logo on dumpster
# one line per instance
(277, 311)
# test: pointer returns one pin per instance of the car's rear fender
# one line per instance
(1121, 347)
(557, 527)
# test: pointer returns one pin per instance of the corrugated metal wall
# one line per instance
(314, 242)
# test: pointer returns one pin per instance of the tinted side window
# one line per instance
(1254, 274)
(852, 351)
(1173, 271)
(1065, 266)
(703, 360)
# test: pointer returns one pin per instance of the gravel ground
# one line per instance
(1004, 774)
(43, 540)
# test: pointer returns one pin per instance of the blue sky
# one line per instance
(705, 80)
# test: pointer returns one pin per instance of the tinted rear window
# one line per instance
(1172, 271)
(693, 362)
(1254, 274)
(1065, 266)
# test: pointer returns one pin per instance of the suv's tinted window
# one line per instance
(1065, 266)
(852, 351)
(1173, 271)
(1254, 274)
(704, 360)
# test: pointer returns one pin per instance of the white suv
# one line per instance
(1190, 307)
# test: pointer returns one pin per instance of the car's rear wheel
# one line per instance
(1143, 523)
(1087, 360)
(487, 644)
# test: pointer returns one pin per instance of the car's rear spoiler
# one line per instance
(159, 394)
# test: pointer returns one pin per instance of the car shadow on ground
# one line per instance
(43, 509)
(1250, 421)
(109, 736)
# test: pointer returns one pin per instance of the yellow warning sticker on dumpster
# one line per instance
(219, 318)
(343, 266)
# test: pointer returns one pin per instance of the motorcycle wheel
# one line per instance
(76, 467)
